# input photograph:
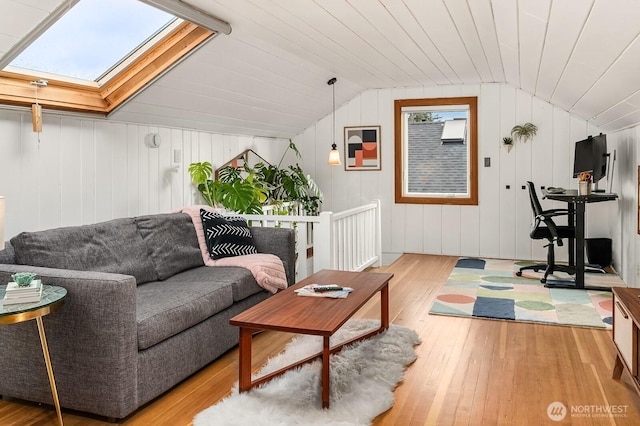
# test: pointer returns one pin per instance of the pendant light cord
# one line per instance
(36, 84)
(333, 121)
(332, 82)
(36, 87)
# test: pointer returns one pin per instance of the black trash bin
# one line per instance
(599, 251)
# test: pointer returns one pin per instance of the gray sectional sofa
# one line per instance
(142, 312)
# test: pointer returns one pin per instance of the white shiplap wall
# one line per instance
(87, 170)
(499, 225)
(626, 242)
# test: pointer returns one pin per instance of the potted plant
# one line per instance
(247, 189)
(507, 142)
(524, 132)
(230, 190)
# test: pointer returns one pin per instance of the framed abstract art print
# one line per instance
(362, 148)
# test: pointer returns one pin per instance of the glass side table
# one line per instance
(52, 299)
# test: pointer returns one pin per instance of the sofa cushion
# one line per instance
(165, 308)
(7, 255)
(226, 236)
(171, 242)
(241, 280)
(278, 241)
(194, 213)
(114, 246)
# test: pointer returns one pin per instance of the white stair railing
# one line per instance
(347, 241)
(301, 224)
(357, 243)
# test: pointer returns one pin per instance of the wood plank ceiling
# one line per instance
(268, 77)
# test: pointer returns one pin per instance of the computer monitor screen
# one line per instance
(591, 157)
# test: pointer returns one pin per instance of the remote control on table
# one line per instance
(324, 288)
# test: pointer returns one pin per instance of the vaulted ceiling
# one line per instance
(269, 76)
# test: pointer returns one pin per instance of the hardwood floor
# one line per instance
(468, 371)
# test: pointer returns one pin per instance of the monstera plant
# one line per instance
(230, 190)
(247, 189)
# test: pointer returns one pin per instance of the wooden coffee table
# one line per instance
(288, 312)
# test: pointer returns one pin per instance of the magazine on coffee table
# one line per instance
(332, 291)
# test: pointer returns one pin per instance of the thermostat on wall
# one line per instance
(152, 140)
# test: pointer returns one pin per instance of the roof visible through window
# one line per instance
(93, 38)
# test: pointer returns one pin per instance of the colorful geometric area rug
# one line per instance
(489, 288)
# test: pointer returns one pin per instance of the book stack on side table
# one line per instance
(15, 293)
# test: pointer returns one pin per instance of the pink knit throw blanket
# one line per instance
(267, 269)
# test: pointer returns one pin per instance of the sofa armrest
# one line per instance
(278, 241)
(92, 341)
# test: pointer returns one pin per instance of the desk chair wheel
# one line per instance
(534, 268)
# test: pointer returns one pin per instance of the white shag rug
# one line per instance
(363, 377)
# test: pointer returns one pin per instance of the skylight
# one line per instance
(94, 37)
(101, 53)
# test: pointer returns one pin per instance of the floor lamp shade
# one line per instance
(1, 222)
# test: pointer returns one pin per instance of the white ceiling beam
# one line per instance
(192, 14)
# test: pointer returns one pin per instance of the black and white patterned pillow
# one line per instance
(226, 236)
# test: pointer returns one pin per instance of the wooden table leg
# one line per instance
(47, 361)
(325, 372)
(244, 359)
(384, 307)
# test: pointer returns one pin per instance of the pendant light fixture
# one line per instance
(334, 154)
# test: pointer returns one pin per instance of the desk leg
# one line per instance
(579, 253)
(47, 361)
(579, 250)
(571, 221)
(580, 208)
(580, 245)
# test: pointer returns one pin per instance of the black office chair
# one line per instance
(545, 228)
